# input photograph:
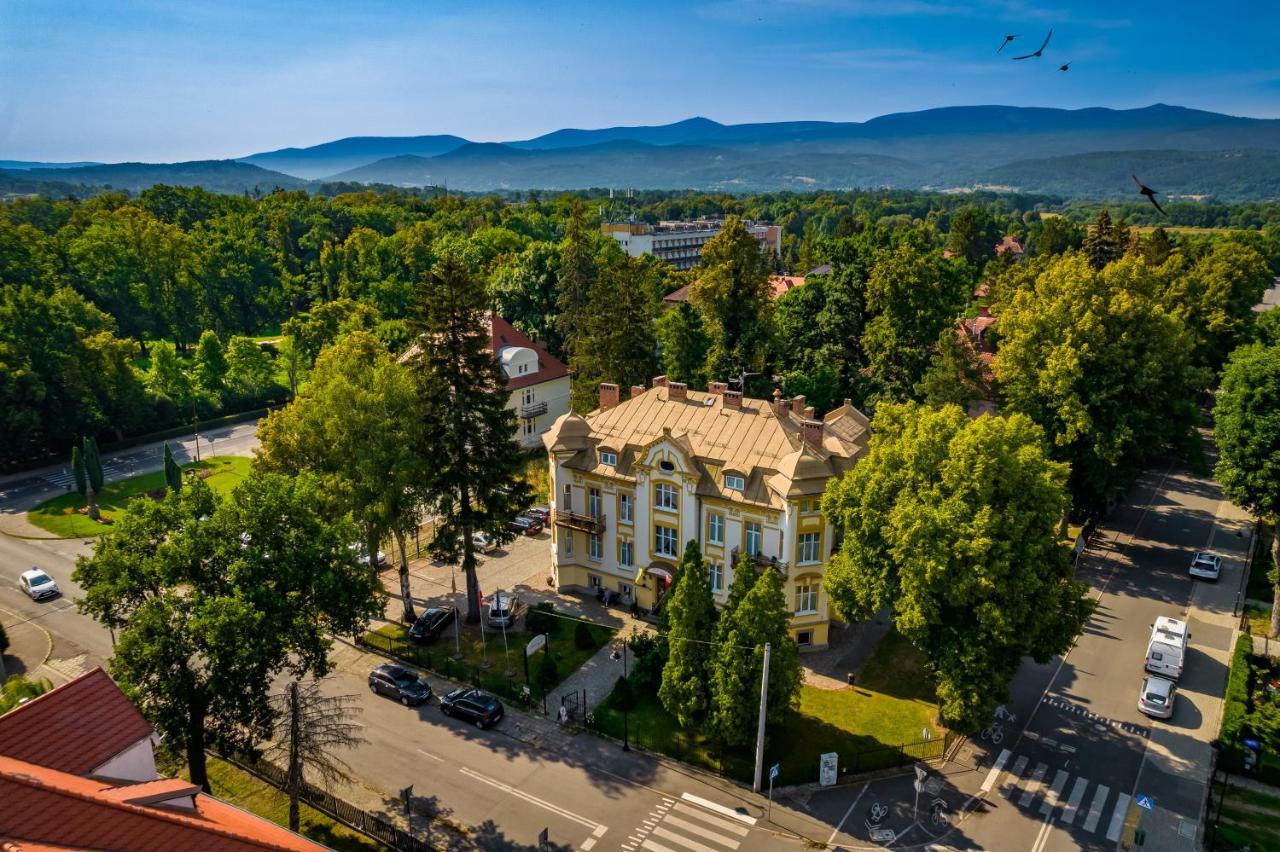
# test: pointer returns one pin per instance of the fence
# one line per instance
(441, 663)
(386, 833)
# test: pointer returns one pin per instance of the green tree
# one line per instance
(167, 376)
(616, 333)
(1246, 421)
(1105, 242)
(325, 323)
(691, 617)
(172, 473)
(471, 483)
(249, 367)
(684, 345)
(210, 363)
(956, 375)
(733, 294)
(1215, 297)
(955, 523)
(973, 236)
(93, 473)
(577, 276)
(523, 291)
(355, 426)
(82, 481)
(17, 689)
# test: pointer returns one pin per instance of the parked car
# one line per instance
(362, 553)
(483, 542)
(503, 609)
(1206, 566)
(38, 585)
(475, 706)
(432, 623)
(1157, 696)
(399, 683)
(542, 513)
(525, 525)
(1167, 649)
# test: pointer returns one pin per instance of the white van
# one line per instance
(1167, 650)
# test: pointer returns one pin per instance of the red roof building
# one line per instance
(779, 283)
(1011, 245)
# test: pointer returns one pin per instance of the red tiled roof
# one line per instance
(675, 297)
(983, 290)
(779, 283)
(503, 333)
(47, 808)
(74, 728)
(1009, 244)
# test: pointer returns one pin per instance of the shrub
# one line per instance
(583, 639)
(17, 688)
(546, 673)
(623, 696)
(648, 656)
(1235, 707)
(540, 618)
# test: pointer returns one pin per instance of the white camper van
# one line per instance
(1167, 650)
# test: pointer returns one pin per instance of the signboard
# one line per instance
(827, 764)
(1145, 802)
(774, 771)
(536, 644)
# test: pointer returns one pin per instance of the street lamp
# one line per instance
(626, 706)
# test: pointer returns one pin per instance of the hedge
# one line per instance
(1235, 707)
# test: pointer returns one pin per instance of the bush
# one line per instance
(17, 688)
(540, 618)
(583, 640)
(648, 656)
(546, 673)
(623, 696)
(1235, 707)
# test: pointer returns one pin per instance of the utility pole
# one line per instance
(764, 706)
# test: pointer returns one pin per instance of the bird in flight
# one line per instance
(1065, 66)
(1148, 192)
(1040, 50)
(1007, 39)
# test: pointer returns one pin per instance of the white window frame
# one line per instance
(809, 541)
(626, 554)
(716, 571)
(594, 581)
(659, 539)
(625, 508)
(715, 528)
(527, 396)
(608, 457)
(595, 547)
(806, 593)
(804, 638)
(663, 490)
(750, 530)
(734, 482)
(568, 497)
(594, 502)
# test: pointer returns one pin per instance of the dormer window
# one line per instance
(666, 466)
(609, 457)
(734, 482)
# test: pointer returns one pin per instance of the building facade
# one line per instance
(636, 479)
(680, 243)
(538, 381)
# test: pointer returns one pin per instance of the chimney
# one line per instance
(717, 387)
(808, 412)
(780, 406)
(797, 404)
(812, 432)
(732, 399)
(608, 395)
(659, 381)
(676, 390)
(636, 390)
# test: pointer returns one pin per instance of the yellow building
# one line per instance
(634, 480)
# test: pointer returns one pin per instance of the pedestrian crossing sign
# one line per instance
(1145, 802)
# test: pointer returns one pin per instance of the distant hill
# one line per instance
(22, 165)
(330, 158)
(214, 175)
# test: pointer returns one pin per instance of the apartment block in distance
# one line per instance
(680, 243)
(636, 479)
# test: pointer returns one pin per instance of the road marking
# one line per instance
(995, 771)
(1015, 775)
(1073, 803)
(1036, 785)
(1117, 817)
(588, 844)
(832, 839)
(683, 841)
(694, 828)
(430, 755)
(1054, 796)
(656, 847)
(599, 830)
(1095, 809)
(739, 830)
(1042, 836)
(720, 809)
(533, 800)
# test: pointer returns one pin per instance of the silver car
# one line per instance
(38, 585)
(1157, 697)
(1206, 566)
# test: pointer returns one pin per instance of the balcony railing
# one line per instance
(533, 409)
(760, 560)
(593, 524)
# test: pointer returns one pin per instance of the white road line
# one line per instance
(1073, 803)
(533, 800)
(832, 839)
(655, 847)
(686, 810)
(694, 828)
(682, 841)
(1117, 817)
(1015, 775)
(599, 831)
(1095, 809)
(1035, 786)
(995, 771)
(1042, 836)
(588, 844)
(1052, 798)
(720, 809)
(430, 755)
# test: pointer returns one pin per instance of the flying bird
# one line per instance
(1148, 192)
(1040, 50)
(1007, 39)
(1065, 66)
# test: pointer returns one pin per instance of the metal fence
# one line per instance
(372, 825)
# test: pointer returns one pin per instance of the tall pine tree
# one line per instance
(471, 483)
(1105, 241)
(616, 336)
(691, 614)
(577, 276)
(172, 473)
(733, 295)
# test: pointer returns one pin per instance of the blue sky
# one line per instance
(133, 79)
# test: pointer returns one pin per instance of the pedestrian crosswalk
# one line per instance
(1027, 785)
(66, 479)
(678, 826)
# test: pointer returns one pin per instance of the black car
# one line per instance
(400, 683)
(474, 706)
(525, 525)
(432, 623)
(542, 513)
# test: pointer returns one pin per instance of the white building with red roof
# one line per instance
(538, 381)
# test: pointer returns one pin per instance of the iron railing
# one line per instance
(593, 524)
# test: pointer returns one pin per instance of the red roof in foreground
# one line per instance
(48, 809)
(503, 333)
(74, 728)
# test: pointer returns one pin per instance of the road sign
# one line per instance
(1145, 802)
(827, 765)
(536, 644)
(921, 773)
(774, 771)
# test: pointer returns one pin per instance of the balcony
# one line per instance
(760, 561)
(593, 524)
(533, 409)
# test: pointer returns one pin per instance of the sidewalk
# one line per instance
(595, 680)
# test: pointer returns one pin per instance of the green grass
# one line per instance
(1242, 826)
(893, 703)
(438, 656)
(1259, 620)
(61, 515)
(235, 786)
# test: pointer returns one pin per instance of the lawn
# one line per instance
(1259, 620)
(1249, 820)
(234, 785)
(61, 517)
(892, 704)
(438, 656)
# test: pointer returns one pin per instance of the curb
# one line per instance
(48, 637)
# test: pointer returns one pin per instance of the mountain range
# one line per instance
(1086, 152)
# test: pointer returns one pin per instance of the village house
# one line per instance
(636, 479)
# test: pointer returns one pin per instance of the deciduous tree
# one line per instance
(616, 334)
(210, 363)
(733, 294)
